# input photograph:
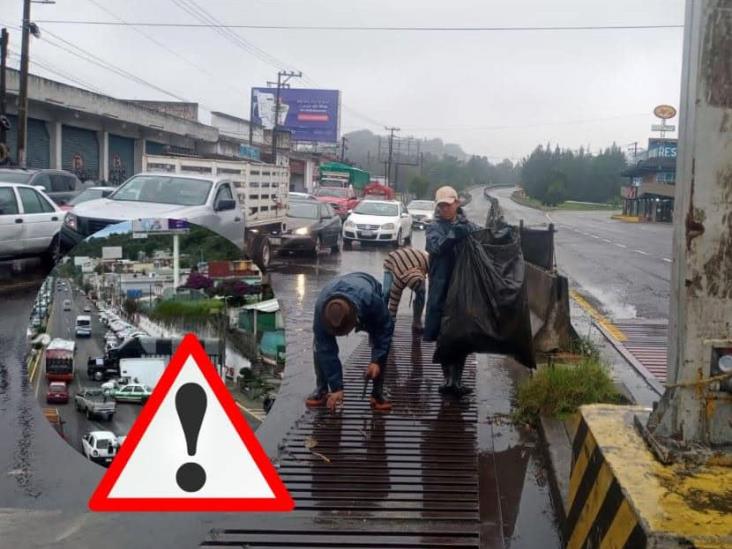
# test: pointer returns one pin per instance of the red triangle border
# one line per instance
(190, 346)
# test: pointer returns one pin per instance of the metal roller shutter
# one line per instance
(80, 152)
(39, 142)
(121, 158)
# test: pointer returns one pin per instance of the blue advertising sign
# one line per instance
(134, 294)
(246, 151)
(662, 148)
(310, 115)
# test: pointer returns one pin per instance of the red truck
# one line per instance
(342, 199)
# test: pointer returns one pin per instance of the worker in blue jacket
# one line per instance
(449, 227)
(350, 302)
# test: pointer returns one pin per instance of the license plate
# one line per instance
(275, 241)
(367, 233)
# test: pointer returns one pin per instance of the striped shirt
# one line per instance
(408, 266)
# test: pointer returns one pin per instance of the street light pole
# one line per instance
(283, 77)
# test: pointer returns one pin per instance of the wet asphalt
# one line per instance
(45, 484)
(623, 268)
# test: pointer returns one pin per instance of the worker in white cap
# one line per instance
(449, 227)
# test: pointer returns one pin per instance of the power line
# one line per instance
(363, 28)
(39, 62)
(163, 46)
(527, 126)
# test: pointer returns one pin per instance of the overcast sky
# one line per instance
(495, 93)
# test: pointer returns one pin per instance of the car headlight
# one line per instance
(302, 231)
(349, 224)
(387, 226)
(95, 453)
(71, 221)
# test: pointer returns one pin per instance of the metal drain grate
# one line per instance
(361, 479)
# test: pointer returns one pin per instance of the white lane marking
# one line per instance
(595, 236)
(606, 240)
(667, 260)
(620, 245)
(640, 252)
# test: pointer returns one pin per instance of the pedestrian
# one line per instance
(449, 227)
(353, 301)
(406, 268)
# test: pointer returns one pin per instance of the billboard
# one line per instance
(310, 115)
(665, 148)
(112, 252)
(159, 225)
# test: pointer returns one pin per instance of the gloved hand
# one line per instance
(461, 230)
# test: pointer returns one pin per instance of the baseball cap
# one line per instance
(446, 195)
(339, 316)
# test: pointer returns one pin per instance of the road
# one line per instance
(61, 324)
(625, 268)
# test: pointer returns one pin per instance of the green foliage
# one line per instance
(553, 176)
(419, 186)
(558, 391)
(130, 306)
(177, 309)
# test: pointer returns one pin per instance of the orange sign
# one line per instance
(664, 112)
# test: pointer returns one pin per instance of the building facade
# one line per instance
(652, 182)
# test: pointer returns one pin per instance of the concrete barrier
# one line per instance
(548, 294)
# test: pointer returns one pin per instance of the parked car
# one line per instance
(57, 393)
(342, 199)
(311, 226)
(378, 221)
(209, 202)
(422, 211)
(94, 403)
(59, 185)
(132, 392)
(30, 224)
(100, 446)
(90, 193)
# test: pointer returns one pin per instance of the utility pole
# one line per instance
(391, 131)
(344, 141)
(694, 415)
(23, 92)
(283, 77)
(4, 37)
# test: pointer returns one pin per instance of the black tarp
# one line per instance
(487, 309)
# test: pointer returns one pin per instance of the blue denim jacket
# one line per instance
(441, 241)
(365, 292)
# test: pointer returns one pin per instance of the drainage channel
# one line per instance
(361, 479)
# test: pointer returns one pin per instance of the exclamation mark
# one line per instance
(190, 403)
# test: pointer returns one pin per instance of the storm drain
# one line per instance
(366, 480)
(647, 341)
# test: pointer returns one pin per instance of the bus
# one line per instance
(59, 360)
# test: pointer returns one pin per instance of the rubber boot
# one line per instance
(317, 398)
(446, 387)
(457, 381)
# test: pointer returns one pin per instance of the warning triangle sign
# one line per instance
(190, 449)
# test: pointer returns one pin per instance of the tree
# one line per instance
(198, 281)
(419, 186)
(130, 306)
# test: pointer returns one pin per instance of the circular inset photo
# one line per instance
(114, 311)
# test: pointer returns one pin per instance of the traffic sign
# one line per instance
(191, 449)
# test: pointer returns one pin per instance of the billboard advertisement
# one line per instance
(310, 115)
(159, 225)
(112, 252)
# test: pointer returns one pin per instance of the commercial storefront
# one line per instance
(652, 182)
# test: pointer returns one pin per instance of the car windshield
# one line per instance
(336, 192)
(164, 189)
(377, 208)
(303, 210)
(89, 194)
(83, 323)
(15, 177)
(421, 205)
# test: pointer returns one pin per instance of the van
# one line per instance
(67, 304)
(83, 326)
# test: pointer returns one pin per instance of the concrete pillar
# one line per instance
(700, 331)
(55, 132)
(103, 137)
(139, 152)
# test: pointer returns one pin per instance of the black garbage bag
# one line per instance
(487, 308)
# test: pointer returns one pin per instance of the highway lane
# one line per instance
(624, 268)
(62, 324)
